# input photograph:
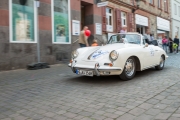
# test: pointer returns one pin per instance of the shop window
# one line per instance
(109, 19)
(60, 21)
(124, 19)
(22, 21)
(175, 9)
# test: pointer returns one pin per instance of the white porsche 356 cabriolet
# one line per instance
(123, 55)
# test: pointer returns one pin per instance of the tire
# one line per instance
(161, 64)
(129, 71)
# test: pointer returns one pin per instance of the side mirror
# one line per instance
(146, 45)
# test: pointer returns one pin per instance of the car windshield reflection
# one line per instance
(125, 38)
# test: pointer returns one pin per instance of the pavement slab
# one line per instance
(58, 94)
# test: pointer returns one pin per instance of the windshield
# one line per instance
(125, 38)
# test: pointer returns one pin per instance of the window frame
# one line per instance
(175, 9)
(123, 18)
(52, 23)
(108, 15)
(159, 4)
(151, 2)
(11, 24)
(166, 5)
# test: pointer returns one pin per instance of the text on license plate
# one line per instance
(83, 72)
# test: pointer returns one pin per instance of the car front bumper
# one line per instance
(96, 68)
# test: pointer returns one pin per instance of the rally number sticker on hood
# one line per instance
(98, 54)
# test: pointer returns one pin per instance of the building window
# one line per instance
(22, 21)
(151, 1)
(159, 3)
(109, 19)
(166, 5)
(123, 18)
(175, 9)
(177, 31)
(60, 22)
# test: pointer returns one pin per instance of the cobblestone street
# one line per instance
(58, 94)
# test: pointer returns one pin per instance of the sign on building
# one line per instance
(101, 4)
(98, 29)
(76, 27)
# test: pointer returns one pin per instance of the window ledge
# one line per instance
(160, 8)
(151, 4)
(166, 12)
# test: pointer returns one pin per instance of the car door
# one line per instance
(157, 54)
(149, 55)
(154, 51)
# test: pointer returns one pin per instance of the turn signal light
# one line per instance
(110, 64)
(71, 61)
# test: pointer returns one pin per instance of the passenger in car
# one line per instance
(95, 43)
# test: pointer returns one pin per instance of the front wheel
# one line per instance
(161, 64)
(129, 69)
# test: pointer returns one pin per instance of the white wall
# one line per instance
(175, 17)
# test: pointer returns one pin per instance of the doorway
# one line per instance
(86, 10)
(140, 29)
(82, 16)
(87, 19)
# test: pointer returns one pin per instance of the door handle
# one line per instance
(156, 50)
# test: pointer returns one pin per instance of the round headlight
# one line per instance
(113, 55)
(75, 54)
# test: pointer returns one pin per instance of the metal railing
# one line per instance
(75, 41)
(100, 41)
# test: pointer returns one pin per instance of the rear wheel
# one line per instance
(161, 64)
(129, 69)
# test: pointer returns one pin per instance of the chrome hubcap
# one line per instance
(129, 67)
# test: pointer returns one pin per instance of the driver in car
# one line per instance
(120, 39)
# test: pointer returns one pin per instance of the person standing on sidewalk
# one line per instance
(176, 40)
(164, 43)
(170, 45)
(147, 35)
(83, 38)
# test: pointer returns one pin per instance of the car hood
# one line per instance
(97, 53)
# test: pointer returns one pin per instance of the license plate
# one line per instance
(84, 72)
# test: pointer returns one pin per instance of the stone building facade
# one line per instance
(158, 14)
(56, 25)
(175, 17)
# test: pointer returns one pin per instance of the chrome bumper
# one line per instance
(97, 69)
